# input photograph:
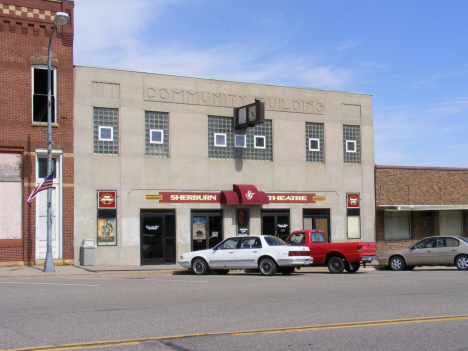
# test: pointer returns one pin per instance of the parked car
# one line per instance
(336, 256)
(431, 251)
(268, 254)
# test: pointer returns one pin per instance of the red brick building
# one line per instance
(25, 29)
(415, 202)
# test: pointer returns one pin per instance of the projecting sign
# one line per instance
(249, 115)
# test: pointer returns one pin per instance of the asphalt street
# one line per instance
(372, 310)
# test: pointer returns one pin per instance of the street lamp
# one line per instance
(60, 19)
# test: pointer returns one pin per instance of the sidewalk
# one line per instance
(37, 272)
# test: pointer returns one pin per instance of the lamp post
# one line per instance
(60, 19)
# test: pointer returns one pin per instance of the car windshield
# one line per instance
(464, 239)
(273, 241)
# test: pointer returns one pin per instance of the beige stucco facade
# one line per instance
(188, 168)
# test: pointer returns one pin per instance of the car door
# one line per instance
(247, 253)
(446, 250)
(224, 255)
(422, 253)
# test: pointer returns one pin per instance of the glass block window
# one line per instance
(352, 144)
(156, 134)
(314, 142)
(106, 131)
(258, 141)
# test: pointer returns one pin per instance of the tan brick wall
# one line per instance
(418, 186)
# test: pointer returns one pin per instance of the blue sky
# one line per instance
(412, 56)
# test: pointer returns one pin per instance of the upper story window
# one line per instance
(106, 131)
(39, 94)
(157, 134)
(351, 144)
(314, 142)
(225, 144)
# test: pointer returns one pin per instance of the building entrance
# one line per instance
(276, 222)
(157, 237)
(318, 219)
(207, 229)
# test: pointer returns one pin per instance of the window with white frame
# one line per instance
(397, 225)
(259, 142)
(40, 94)
(314, 142)
(240, 141)
(157, 134)
(220, 139)
(351, 144)
(106, 131)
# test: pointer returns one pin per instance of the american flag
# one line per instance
(44, 185)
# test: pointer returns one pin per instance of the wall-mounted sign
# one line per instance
(249, 115)
(106, 217)
(194, 197)
(352, 201)
(291, 198)
(243, 221)
(107, 199)
(190, 197)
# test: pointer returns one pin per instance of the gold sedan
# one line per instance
(431, 251)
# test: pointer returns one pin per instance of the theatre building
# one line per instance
(166, 165)
(25, 34)
(416, 202)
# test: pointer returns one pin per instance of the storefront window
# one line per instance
(207, 229)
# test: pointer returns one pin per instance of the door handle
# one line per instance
(231, 251)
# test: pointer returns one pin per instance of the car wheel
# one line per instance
(336, 265)
(222, 271)
(352, 267)
(286, 270)
(199, 266)
(267, 266)
(397, 263)
(462, 262)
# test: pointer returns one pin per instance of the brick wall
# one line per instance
(25, 28)
(418, 186)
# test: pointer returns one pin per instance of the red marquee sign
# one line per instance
(107, 199)
(352, 201)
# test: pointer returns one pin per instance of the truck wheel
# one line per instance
(199, 266)
(352, 267)
(286, 270)
(267, 266)
(397, 263)
(336, 265)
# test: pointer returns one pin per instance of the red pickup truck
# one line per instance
(336, 256)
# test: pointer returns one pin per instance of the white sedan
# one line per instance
(265, 253)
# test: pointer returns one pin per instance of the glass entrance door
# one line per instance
(157, 232)
(207, 229)
(276, 222)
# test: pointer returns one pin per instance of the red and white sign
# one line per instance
(352, 201)
(107, 199)
(190, 197)
(290, 198)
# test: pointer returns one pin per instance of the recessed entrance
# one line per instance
(318, 219)
(157, 237)
(276, 222)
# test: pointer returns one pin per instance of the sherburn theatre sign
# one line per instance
(203, 197)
